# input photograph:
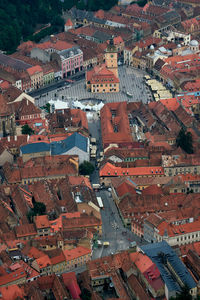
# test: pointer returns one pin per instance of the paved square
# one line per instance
(131, 82)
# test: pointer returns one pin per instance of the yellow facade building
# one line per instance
(104, 78)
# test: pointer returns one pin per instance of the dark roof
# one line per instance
(74, 140)
(16, 64)
(170, 15)
(159, 64)
(35, 147)
(101, 36)
(70, 52)
(59, 147)
(163, 255)
(99, 21)
(81, 14)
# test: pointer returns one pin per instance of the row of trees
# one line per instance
(92, 5)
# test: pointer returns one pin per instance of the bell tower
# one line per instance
(111, 58)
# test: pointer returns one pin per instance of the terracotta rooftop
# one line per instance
(100, 74)
(12, 292)
(109, 170)
(115, 126)
(33, 70)
(68, 22)
(25, 230)
(42, 222)
(41, 167)
(43, 261)
(174, 230)
(13, 276)
(76, 252)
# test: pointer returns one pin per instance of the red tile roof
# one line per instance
(57, 44)
(13, 276)
(41, 167)
(42, 222)
(58, 259)
(117, 40)
(76, 252)
(5, 108)
(192, 85)
(125, 187)
(100, 74)
(69, 23)
(153, 190)
(12, 292)
(33, 70)
(171, 104)
(142, 261)
(115, 126)
(174, 230)
(43, 261)
(79, 116)
(70, 282)
(25, 230)
(80, 180)
(110, 170)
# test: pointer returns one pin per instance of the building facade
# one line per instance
(104, 78)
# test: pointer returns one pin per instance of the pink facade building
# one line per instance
(71, 61)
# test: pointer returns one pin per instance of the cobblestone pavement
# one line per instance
(131, 81)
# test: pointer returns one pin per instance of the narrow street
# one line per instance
(113, 230)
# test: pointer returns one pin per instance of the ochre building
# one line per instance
(104, 78)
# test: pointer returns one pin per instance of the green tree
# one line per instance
(81, 4)
(86, 294)
(184, 140)
(47, 107)
(39, 209)
(183, 295)
(86, 168)
(142, 3)
(27, 129)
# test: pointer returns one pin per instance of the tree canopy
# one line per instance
(86, 168)
(27, 129)
(86, 294)
(39, 209)
(19, 19)
(93, 5)
(184, 140)
(184, 294)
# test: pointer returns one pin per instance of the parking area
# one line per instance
(132, 89)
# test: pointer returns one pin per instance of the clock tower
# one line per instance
(111, 58)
